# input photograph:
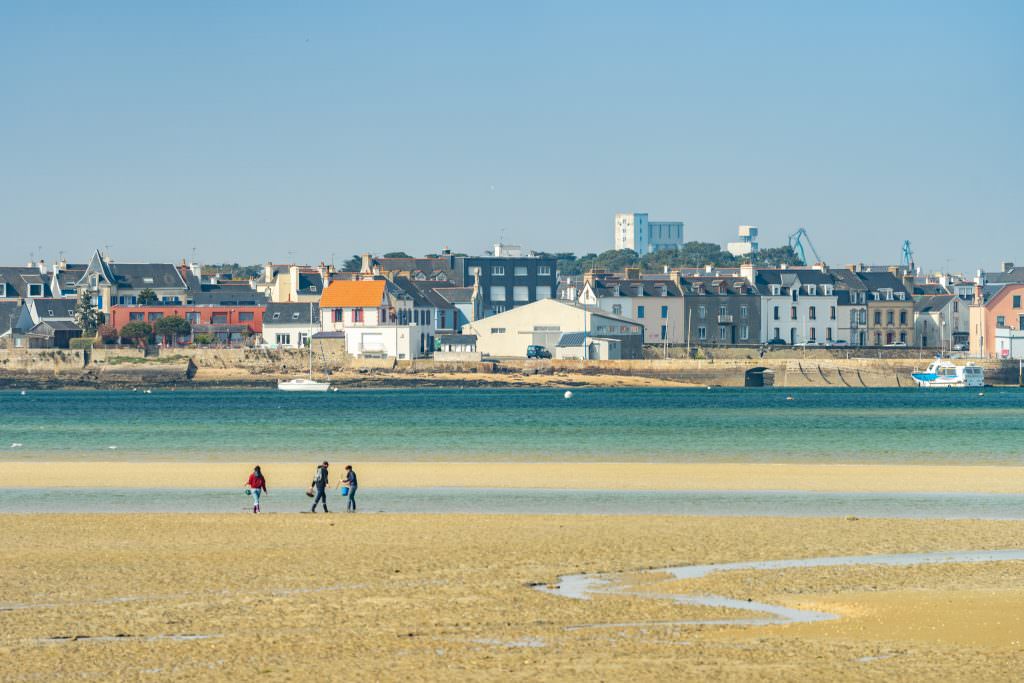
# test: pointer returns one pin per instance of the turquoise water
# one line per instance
(531, 501)
(537, 424)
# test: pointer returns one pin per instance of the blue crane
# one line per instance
(908, 256)
(796, 244)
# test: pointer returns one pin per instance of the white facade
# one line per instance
(635, 231)
(1009, 344)
(809, 319)
(661, 315)
(294, 336)
(852, 319)
(747, 244)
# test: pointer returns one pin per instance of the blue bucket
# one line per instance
(344, 490)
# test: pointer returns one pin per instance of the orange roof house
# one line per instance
(354, 294)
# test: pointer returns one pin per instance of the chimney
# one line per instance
(42, 267)
(196, 269)
(709, 269)
(748, 272)
(979, 299)
(367, 266)
(1006, 266)
(588, 277)
(268, 272)
(632, 273)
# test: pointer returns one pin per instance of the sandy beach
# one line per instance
(851, 478)
(450, 597)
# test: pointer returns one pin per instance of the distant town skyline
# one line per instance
(294, 133)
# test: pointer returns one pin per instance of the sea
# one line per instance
(540, 424)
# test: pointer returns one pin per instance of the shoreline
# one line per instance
(822, 478)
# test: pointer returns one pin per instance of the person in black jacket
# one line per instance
(320, 484)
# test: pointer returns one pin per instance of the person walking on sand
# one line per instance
(320, 484)
(257, 484)
(352, 484)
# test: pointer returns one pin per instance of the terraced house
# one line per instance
(722, 310)
(798, 306)
(890, 309)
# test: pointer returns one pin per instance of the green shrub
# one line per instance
(80, 343)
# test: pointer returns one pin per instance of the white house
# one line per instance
(656, 304)
(377, 318)
(290, 325)
(941, 321)
(634, 231)
(798, 306)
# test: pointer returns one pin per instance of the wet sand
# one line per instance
(622, 476)
(451, 597)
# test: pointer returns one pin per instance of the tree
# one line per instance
(396, 254)
(147, 297)
(353, 265)
(204, 339)
(173, 327)
(137, 331)
(86, 315)
(108, 333)
(777, 256)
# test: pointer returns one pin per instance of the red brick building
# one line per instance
(229, 324)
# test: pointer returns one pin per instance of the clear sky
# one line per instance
(277, 130)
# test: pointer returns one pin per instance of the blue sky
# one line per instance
(254, 131)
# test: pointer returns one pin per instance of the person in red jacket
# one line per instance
(257, 484)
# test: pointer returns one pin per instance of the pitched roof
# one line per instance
(353, 294)
(9, 313)
(18, 278)
(290, 314)
(456, 295)
(928, 303)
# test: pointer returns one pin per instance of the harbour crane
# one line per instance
(796, 241)
(907, 260)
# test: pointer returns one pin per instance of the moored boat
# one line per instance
(303, 384)
(944, 373)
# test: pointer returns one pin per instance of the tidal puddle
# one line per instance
(584, 586)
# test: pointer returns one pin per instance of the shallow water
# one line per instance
(531, 501)
(654, 425)
(584, 586)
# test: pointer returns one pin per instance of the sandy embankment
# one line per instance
(448, 597)
(622, 476)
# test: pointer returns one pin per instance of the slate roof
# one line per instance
(59, 325)
(929, 303)
(54, 308)
(577, 339)
(455, 295)
(635, 288)
(18, 279)
(10, 311)
(883, 280)
(137, 276)
(290, 314)
(711, 283)
(310, 282)
(1013, 275)
(847, 279)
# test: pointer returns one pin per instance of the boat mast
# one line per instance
(309, 340)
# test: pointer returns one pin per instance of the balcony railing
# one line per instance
(725, 320)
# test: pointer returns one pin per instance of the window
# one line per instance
(903, 337)
(520, 271)
(219, 318)
(283, 339)
(878, 338)
(3, 289)
(135, 316)
(744, 332)
(497, 270)
(863, 317)
(664, 311)
(828, 333)
(831, 312)
(295, 315)
(775, 313)
(357, 315)
(792, 312)
(812, 290)
(520, 293)
(723, 310)
(702, 333)
(542, 292)
(35, 290)
(776, 290)
(743, 311)
(192, 317)
(617, 309)
(903, 317)
(277, 314)
(702, 312)
(878, 317)
(777, 333)
(544, 270)
(723, 333)
(890, 317)
(497, 293)
(956, 306)
(812, 312)
(497, 330)
(1000, 321)
(154, 316)
(1016, 301)
(640, 312)
(814, 334)
(245, 316)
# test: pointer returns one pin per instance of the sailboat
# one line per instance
(305, 383)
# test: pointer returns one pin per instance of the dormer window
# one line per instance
(35, 290)
(147, 280)
(276, 316)
(900, 296)
(812, 290)
(3, 290)
(776, 290)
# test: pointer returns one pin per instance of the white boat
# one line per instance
(305, 383)
(944, 373)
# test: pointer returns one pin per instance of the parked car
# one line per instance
(839, 342)
(776, 342)
(959, 347)
(896, 345)
(537, 351)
